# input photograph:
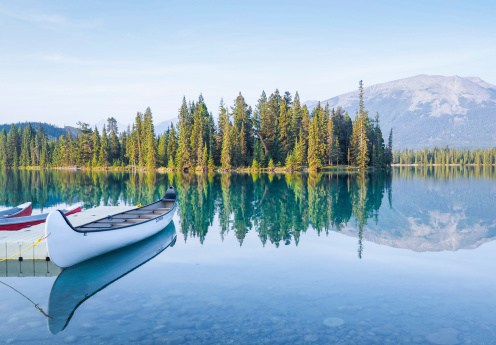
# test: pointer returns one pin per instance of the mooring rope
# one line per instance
(34, 244)
(29, 299)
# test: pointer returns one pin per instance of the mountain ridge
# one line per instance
(429, 110)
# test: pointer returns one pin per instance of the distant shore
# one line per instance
(336, 168)
(439, 165)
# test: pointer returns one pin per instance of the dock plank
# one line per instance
(12, 242)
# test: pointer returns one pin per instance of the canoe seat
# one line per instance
(148, 216)
(95, 225)
(113, 220)
(135, 220)
(121, 224)
(139, 212)
(161, 210)
(123, 216)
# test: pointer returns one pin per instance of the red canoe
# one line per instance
(22, 210)
(25, 222)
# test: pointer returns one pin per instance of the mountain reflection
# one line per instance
(431, 209)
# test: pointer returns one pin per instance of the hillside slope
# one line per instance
(427, 111)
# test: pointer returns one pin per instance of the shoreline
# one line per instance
(337, 168)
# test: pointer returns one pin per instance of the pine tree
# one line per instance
(271, 165)
(44, 156)
(296, 117)
(222, 124)
(27, 137)
(204, 162)
(114, 144)
(226, 148)
(162, 149)
(243, 146)
(83, 144)
(268, 112)
(304, 130)
(317, 138)
(13, 147)
(96, 147)
(332, 142)
(286, 139)
(389, 150)
(211, 164)
(300, 151)
(262, 125)
(360, 139)
(69, 159)
(3, 149)
(132, 151)
(138, 134)
(123, 144)
(104, 150)
(150, 143)
(183, 156)
(314, 162)
(172, 148)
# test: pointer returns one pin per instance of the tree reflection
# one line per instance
(278, 207)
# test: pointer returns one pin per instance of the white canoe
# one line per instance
(68, 245)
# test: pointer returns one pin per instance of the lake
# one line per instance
(400, 257)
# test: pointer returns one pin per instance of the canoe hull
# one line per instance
(22, 210)
(67, 247)
(18, 223)
(24, 213)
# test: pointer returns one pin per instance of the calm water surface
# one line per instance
(387, 258)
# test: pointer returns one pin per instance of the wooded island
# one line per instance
(280, 132)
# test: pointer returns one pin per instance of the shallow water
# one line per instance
(400, 258)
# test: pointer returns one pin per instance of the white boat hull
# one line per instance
(67, 247)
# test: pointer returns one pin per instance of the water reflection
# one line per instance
(418, 208)
(78, 283)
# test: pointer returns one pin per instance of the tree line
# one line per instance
(445, 156)
(278, 132)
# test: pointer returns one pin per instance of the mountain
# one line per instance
(51, 131)
(163, 126)
(427, 111)
(121, 127)
(160, 127)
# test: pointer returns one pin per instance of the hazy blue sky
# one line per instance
(64, 61)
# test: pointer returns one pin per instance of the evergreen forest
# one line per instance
(445, 156)
(278, 132)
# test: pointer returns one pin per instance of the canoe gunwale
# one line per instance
(5, 223)
(84, 231)
(15, 211)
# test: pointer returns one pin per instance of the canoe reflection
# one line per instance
(78, 283)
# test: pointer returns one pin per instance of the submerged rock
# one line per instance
(70, 339)
(444, 336)
(310, 338)
(333, 322)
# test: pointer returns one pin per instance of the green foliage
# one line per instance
(271, 165)
(226, 149)
(103, 158)
(211, 164)
(445, 156)
(279, 132)
(3, 149)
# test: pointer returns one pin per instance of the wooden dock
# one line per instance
(12, 242)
